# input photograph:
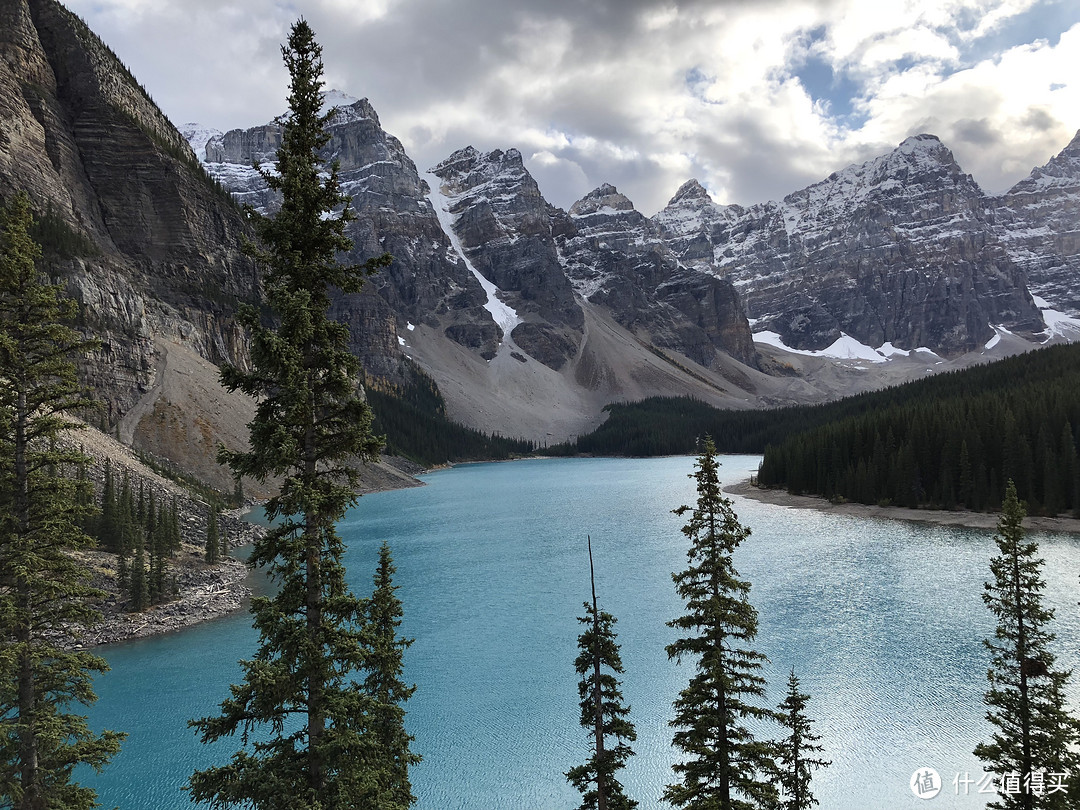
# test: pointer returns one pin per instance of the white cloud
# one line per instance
(642, 93)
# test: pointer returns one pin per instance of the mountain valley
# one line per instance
(529, 318)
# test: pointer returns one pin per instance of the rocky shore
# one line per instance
(206, 592)
(202, 591)
(937, 517)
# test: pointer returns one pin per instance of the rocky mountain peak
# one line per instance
(923, 142)
(337, 98)
(897, 249)
(604, 199)
(690, 214)
(358, 110)
(920, 176)
(690, 192)
(1061, 172)
(921, 153)
(505, 228)
(470, 169)
(1039, 221)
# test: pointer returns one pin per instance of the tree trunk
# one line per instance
(316, 712)
(24, 633)
(598, 698)
(1025, 707)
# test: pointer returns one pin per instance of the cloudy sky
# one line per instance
(754, 98)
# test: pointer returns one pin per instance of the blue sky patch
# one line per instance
(836, 91)
(1047, 20)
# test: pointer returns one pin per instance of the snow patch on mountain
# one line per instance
(504, 315)
(337, 98)
(1058, 324)
(843, 348)
(198, 136)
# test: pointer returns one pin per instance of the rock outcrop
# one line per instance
(616, 258)
(505, 228)
(901, 249)
(1038, 220)
(133, 227)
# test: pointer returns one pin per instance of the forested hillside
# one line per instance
(412, 417)
(950, 441)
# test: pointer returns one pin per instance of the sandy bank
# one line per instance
(938, 517)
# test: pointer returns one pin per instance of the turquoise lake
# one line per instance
(882, 620)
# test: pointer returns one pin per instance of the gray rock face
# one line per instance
(1038, 219)
(899, 249)
(426, 283)
(157, 247)
(616, 257)
(505, 228)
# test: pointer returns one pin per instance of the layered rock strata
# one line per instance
(901, 249)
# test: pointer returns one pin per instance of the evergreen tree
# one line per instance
(724, 766)
(159, 561)
(305, 715)
(384, 685)
(108, 524)
(795, 754)
(213, 543)
(1034, 735)
(125, 516)
(602, 710)
(151, 520)
(138, 582)
(43, 592)
(85, 496)
(123, 572)
(140, 504)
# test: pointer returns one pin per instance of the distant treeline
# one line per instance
(666, 426)
(952, 440)
(413, 418)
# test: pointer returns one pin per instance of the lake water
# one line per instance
(882, 621)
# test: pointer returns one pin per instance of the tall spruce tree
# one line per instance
(300, 713)
(383, 683)
(43, 592)
(213, 543)
(602, 710)
(138, 576)
(797, 754)
(1035, 738)
(724, 767)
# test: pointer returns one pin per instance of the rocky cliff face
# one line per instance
(616, 258)
(505, 229)
(901, 249)
(426, 283)
(1038, 220)
(140, 236)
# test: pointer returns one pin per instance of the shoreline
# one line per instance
(206, 592)
(936, 517)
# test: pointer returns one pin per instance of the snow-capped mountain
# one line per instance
(1038, 220)
(901, 253)
(427, 283)
(616, 258)
(901, 250)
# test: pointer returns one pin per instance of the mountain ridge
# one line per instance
(608, 304)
